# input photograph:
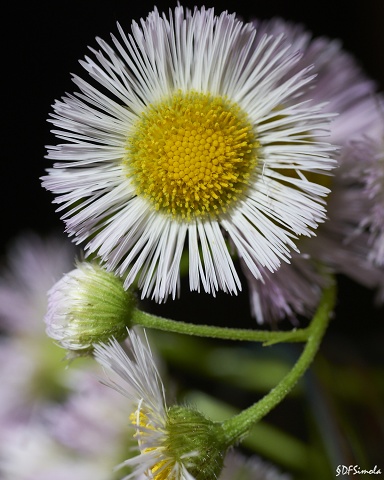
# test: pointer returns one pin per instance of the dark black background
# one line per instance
(41, 45)
(42, 42)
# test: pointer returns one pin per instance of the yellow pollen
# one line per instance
(163, 468)
(191, 155)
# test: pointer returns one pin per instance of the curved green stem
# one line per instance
(148, 320)
(238, 426)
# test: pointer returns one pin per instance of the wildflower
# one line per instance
(238, 467)
(33, 265)
(175, 443)
(365, 156)
(31, 372)
(295, 289)
(51, 417)
(78, 422)
(86, 306)
(340, 81)
(197, 134)
(30, 451)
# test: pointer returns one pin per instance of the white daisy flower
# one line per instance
(175, 443)
(197, 134)
(339, 245)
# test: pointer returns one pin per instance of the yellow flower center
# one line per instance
(191, 155)
(163, 468)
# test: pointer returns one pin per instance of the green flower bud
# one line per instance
(88, 305)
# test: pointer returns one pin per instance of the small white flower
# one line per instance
(340, 246)
(79, 423)
(198, 134)
(138, 379)
(340, 81)
(294, 290)
(239, 467)
(175, 443)
(52, 418)
(34, 264)
(30, 452)
(366, 157)
(32, 370)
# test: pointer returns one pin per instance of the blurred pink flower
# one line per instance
(295, 289)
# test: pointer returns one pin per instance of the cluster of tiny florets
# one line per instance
(192, 154)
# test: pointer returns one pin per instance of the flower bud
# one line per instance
(88, 305)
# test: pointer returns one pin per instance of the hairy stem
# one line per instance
(148, 320)
(238, 426)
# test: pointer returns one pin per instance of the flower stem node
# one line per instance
(88, 305)
(195, 441)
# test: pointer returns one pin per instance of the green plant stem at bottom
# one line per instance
(238, 426)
